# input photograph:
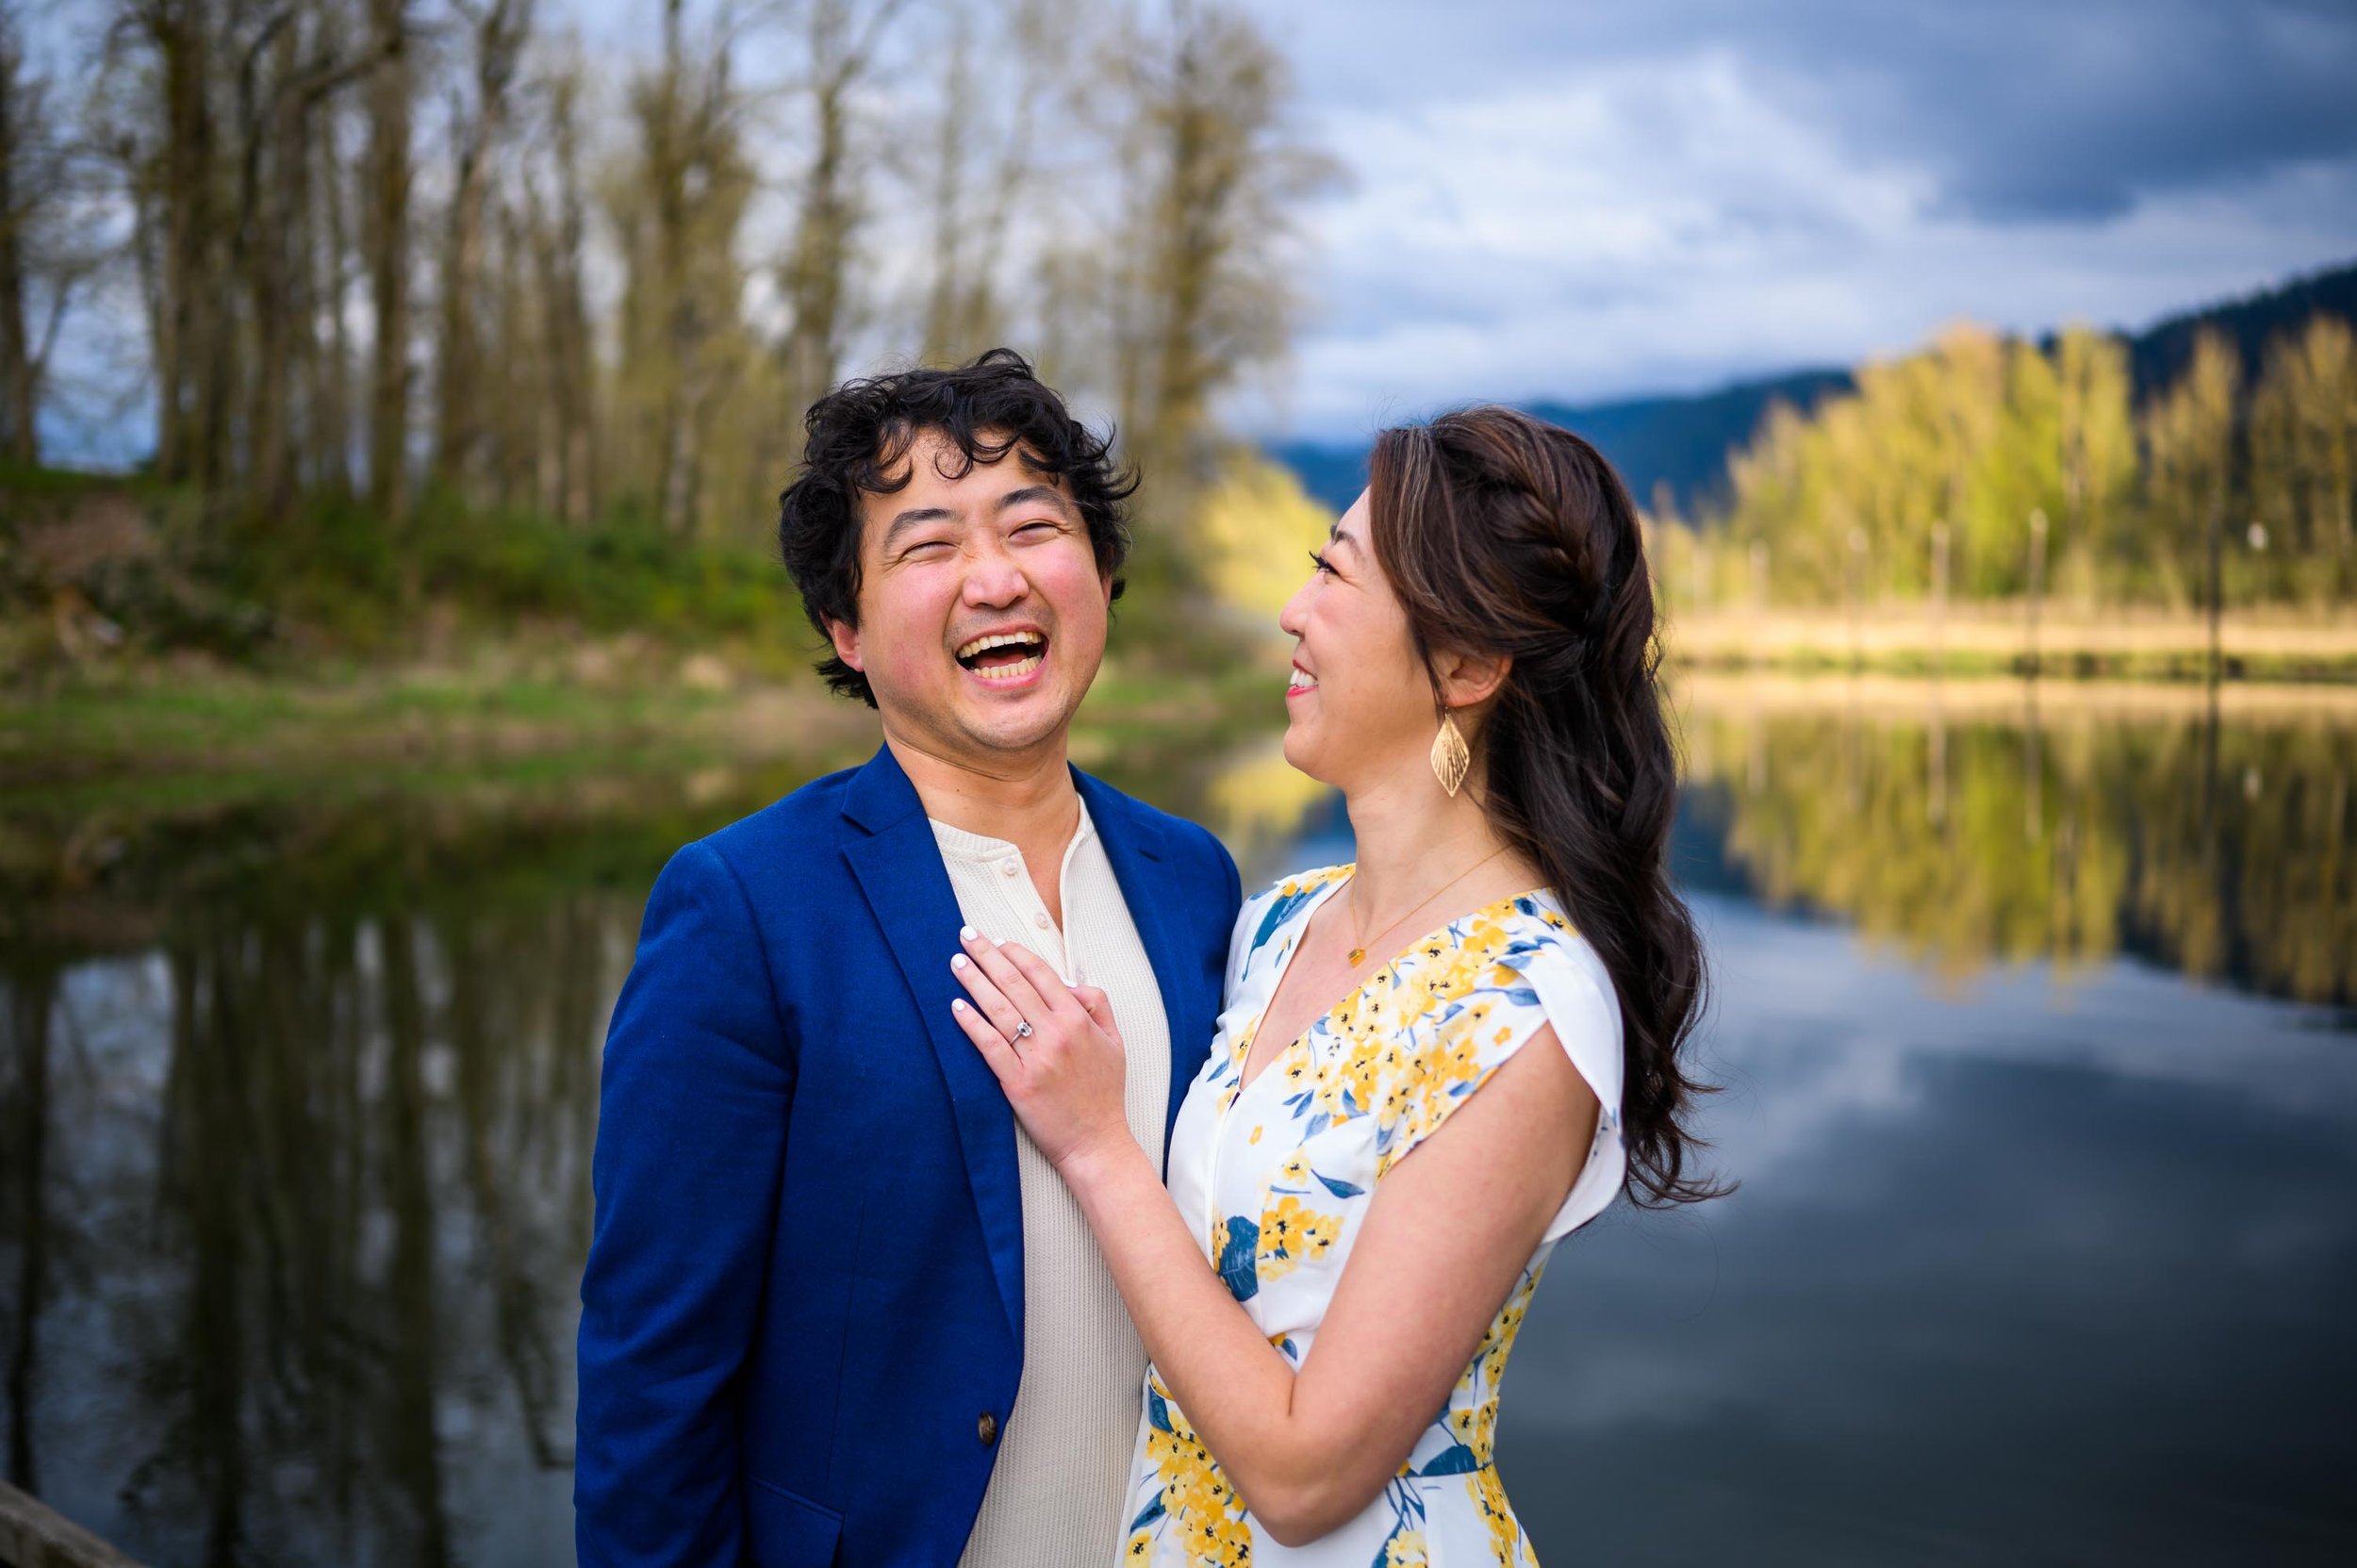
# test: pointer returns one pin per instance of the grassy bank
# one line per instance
(145, 633)
(153, 724)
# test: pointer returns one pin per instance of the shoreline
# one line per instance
(2067, 642)
(140, 727)
(1883, 695)
(156, 722)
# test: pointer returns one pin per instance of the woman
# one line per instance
(1432, 1065)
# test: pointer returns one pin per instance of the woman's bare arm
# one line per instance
(1443, 1241)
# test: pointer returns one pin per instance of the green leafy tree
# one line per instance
(2303, 449)
(2097, 455)
(2190, 439)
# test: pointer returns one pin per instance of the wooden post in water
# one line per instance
(1760, 597)
(1856, 583)
(2217, 579)
(1939, 595)
(33, 1535)
(2038, 578)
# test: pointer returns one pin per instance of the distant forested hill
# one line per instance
(2159, 355)
(1683, 441)
(1680, 441)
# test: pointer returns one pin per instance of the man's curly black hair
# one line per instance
(860, 437)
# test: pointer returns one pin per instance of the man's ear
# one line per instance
(1469, 679)
(846, 639)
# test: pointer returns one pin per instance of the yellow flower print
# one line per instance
(1319, 1232)
(1460, 1058)
(1405, 1049)
(1406, 1550)
(1292, 1232)
(1196, 1497)
(1505, 1532)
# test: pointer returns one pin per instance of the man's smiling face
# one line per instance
(981, 613)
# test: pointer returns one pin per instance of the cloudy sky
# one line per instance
(1574, 200)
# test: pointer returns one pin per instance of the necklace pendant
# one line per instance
(1357, 955)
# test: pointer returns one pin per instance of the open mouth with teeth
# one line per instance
(1004, 655)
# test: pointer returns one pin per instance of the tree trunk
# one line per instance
(814, 276)
(266, 214)
(569, 358)
(520, 383)
(19, 398)
(814, 273)
(187, 321)
(387, 246)
(499, 33)
(330, 402)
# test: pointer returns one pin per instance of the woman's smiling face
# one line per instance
(982, 612)
(1359, 704)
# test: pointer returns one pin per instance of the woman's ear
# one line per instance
(1469, 679)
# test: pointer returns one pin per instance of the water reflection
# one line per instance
(2054, 1272)
(298, 1197)
(297, 1094)
(2007, 823)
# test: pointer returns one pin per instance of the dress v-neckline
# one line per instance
(1284, 966)
(1308, 912)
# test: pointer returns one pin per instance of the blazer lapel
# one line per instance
(1134, 846)
(898, 863)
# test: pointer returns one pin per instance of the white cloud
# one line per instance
(1600, 225)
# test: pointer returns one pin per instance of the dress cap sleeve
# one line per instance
(1487, 1000)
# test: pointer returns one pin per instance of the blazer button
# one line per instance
(987, 1430)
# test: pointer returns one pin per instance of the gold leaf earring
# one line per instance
(1450, 757)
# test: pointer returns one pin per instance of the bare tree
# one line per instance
(385, 244)
(278, 103)
(497, 31)
(21, 113)
(841, 38)
(1229, 177)
(328, 253)
(677, 203)
(46, 255)
(557, 228)
(175, 186)
(983, 163)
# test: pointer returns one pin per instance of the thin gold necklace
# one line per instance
(1359, 953)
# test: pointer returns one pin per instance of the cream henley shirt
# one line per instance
(1062, 1472)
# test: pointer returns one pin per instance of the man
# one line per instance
(837, 1310)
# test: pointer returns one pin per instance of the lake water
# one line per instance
(2036, 1014)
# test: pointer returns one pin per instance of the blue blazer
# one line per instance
(802, 1316)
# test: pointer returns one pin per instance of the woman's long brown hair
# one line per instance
(1503, 534)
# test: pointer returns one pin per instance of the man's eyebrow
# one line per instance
(911, 517)
(1031, 494)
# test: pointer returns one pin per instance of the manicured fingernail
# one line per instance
(966, 934)
(958, 961)
(957, 1004)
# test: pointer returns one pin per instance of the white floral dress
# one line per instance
(1277, 1178)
